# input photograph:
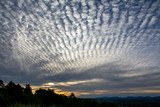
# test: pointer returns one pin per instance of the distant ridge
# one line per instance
(132, 101)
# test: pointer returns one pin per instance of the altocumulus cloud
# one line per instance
(91, 47)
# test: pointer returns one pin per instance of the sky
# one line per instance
(93, 48)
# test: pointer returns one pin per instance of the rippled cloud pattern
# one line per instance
(87, 46)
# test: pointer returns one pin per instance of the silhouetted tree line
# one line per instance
(12, 94)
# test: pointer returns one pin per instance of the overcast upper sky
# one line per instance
(93, 48)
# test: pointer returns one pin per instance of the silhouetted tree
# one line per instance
(11, 87)
(1, 84)
(28, 95)
(2, 93)
(72, 95)
(15, 92)
(28, 90)
(19, 93)
(46, 97)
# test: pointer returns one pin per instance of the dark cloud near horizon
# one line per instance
(101, 44)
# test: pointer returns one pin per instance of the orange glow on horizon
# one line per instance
(57, 91)
(96, 92)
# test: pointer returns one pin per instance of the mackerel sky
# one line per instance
(90, 47)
